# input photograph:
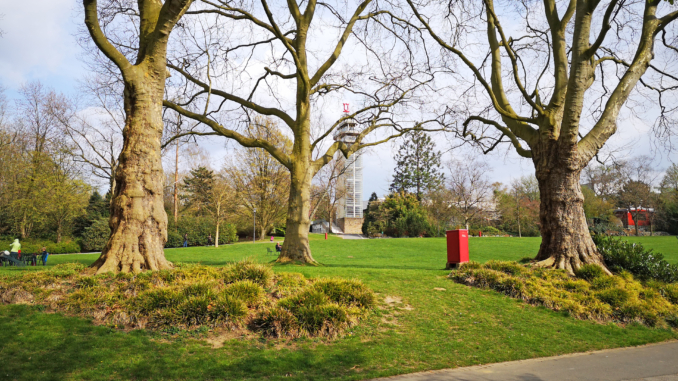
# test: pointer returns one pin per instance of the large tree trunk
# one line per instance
(138, 220)
(295, 247)
(566, 241)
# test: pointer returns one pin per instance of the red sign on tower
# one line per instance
(346, 107)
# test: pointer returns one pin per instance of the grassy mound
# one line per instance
(244, 295)
(592, 295)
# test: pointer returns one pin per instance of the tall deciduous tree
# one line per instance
(259, 180)
(138, 219)
(548, 90)
(291, 67)
(417, 168)
(469, 189)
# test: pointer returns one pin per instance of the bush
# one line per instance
(96, 235)
(491, 230)
(644, 264)
(30, 246)
(399, 215)
(198, 229)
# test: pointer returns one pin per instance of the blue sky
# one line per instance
(39, 44)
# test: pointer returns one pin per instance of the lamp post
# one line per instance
(254, 220)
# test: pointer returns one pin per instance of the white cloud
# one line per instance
(38, 43)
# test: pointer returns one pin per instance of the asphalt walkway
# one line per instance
(655, 362)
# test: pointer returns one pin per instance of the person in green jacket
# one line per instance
(14, 249)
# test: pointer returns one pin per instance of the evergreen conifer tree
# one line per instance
(198, 187)
(417, 166)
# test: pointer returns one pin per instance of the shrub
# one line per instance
(399, 215)
(198, 228)
(95, 236)
(590, 272)
(491, 230)
(644, 264)
(30, 246)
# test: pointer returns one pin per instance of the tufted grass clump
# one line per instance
(592, 295)
(318, 310)
(249, 270)
(590, 272)
(243, 295)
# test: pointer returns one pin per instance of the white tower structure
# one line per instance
(350, 206)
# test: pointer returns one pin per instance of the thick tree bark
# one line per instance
(566, 241)
(296, 247)
(138, 219)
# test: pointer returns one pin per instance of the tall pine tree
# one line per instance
(417, 166)
(197, 190)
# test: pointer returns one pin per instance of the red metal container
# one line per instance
(457, 247)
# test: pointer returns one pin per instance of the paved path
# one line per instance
(655, 362)
(353, 236)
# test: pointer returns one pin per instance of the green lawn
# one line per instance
(429, 329)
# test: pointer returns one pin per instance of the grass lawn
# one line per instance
(428, 329)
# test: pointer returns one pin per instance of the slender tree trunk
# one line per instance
(176, 185)
(138, 220)
(566, 241)
(216, 236)
(295, 247)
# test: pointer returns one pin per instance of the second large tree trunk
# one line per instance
(296, 248)
(566, 241)
(138, 219)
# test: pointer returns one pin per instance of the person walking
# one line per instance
(186, 240)
(14, 249)
(43, 256)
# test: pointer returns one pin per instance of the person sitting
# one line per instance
(210, 240)
(43, 256)
(278, 247)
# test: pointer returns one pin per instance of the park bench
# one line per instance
(8, 261)
(29, 259)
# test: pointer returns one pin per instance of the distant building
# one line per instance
(350, 207)
(644, 216)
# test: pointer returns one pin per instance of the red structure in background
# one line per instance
(644, 216)
(457, 248)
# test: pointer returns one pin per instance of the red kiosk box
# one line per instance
(457, 248)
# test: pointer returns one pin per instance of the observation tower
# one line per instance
(350, 205)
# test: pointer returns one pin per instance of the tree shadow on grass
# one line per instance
(40, 346)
